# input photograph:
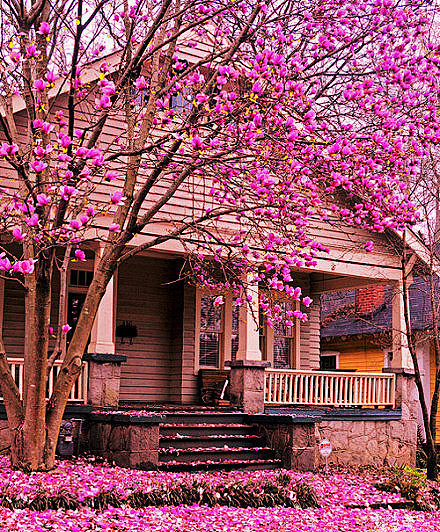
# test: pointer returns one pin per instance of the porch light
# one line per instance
(126, 331)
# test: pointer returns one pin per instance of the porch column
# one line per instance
(248, 328)
(401, 354)
(104, 364)
(406, 391)
(247, 371)
(102, 339)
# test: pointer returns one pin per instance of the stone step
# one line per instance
(184, 441)
(206, 417)
(206, 429)
(204, 454)
(221, 465)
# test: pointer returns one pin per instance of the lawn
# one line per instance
(83, 495)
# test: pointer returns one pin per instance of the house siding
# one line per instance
(309, 334)
(144, 298)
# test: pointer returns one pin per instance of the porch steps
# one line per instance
(212, 441)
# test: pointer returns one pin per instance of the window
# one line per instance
(283, 339)
(81, 278)
(234, 336)
(280, 345)
(217, 331)
(211, 331)
(329, 360)
(79, 281)
(181, 101)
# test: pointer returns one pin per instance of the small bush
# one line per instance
(412, 485)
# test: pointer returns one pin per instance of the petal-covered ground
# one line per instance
(220, 519)
(85, 479)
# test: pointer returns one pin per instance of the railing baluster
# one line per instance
(291, 387)
(79, 390)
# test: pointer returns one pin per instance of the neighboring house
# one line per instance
(356, 331)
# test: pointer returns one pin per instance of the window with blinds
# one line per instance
(234, 336)
(283, 339)
(211, 332)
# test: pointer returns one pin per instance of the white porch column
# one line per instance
(401, 354)
(102, 338)
(248, 328)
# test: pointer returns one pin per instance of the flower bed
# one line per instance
(87, 483)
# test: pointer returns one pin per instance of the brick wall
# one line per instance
(368, 299)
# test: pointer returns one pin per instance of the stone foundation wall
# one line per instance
(293, 439)
(374, 443)
(132, 443)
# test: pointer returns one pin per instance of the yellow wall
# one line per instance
(360, 355)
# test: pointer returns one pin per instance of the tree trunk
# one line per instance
(29, 438)
(431, 461)
(72, 363)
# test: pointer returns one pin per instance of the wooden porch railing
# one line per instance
(78, 393)
(319, 388)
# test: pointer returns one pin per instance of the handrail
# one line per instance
(298, 387)
(79, 390)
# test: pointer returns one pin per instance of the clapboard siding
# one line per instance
(13, 319)
(310, 338)
(359, 354)
(144, 298)
(193, 198)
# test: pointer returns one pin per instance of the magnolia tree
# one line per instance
(272, 116)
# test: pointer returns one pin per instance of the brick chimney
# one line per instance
(368, 299)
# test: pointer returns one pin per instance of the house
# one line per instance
(356, 330)
(154, 333)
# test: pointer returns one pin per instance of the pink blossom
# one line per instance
(40, 84)
(110, 175)
(32, 51)
(24, 266)
(66, 192)
(17, 234)
(307, 301)
(32, 221)
(116, 197)
(114, 228)
(141, 83)
(51, 76)
(80, 255)
(8, 150)
(201, 98)
(75, 224)
(197, 142)
(5, 264)
(66, 328)
(103, 102)
(38, 166)
(44, 28)
(218, 301)
(42, 199)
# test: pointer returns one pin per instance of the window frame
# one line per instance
(225, 344)
(335, 354)
(267, 344)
